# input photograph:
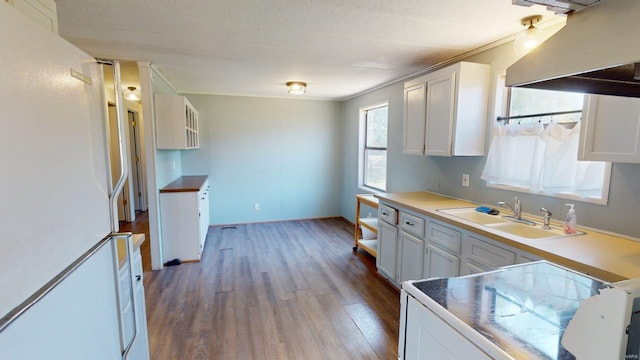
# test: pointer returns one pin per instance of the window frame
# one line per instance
(362, 148)
(502, 105)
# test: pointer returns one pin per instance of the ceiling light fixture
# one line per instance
(529, 38)
(131, 94)
(296, 87)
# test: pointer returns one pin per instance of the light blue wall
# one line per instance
(284, 154)
(404, 173)
(444, 175)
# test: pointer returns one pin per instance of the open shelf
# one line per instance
(370, 246)
(365, 225)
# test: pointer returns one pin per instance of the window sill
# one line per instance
(566, 196)
(370, 190)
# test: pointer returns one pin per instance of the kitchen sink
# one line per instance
(507, 226)
(527, 231)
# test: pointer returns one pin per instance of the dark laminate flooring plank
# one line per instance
(346, 329)
(282, 290)
(219, 273)
(223, 344)
(321, 327)
(174, 328)
(375, 331)
(248, 320)
(297, 332)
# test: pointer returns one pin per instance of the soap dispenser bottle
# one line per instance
(570, 221)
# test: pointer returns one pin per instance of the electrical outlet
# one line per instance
(256, 206)
(465, 180)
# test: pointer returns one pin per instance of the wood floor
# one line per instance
(282, 290)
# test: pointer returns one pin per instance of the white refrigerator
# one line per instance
(59, 292)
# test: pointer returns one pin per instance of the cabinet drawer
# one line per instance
(444, 237)
(388, 214)
(489, 254)
(412, 224)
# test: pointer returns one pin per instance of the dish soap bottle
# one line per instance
(570, 221)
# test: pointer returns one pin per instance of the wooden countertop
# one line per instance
(604, 256)
(368, 199)
(185, 184)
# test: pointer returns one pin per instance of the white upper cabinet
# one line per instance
(610, 129)
(445, 111)
(414, 118)
(176, 123)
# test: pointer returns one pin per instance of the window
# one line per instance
(535, 148)
(374, 147)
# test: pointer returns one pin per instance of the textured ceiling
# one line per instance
(252, 47)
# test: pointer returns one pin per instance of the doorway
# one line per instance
(137, 174)
(124, 212)
(132, 198)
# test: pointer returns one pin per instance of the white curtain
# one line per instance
(542, 160)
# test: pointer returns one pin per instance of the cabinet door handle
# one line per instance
(408, 223)
(138, 277)
(385, 214)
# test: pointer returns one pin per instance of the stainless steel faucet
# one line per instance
(546, 219)
(517, 212)
(516, 209)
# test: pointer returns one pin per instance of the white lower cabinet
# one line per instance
(426, 336)
(133, 314)
(185, 221)
(140, 348)
(203, 214)
(411, 246)
(420, 247)
(412, 257)
(443, 250)
(440, 263)
(386, 261)
(480, 254)
(523, 257)
(127, 326)
(468, 267)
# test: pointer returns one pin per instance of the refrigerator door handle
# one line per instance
(117, 187)
(124, 170)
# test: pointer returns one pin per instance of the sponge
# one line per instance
(487, 210)
(483, 209)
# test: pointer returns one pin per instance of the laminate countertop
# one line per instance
(185, 184)
(599, 254)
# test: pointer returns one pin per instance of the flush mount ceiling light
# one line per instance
(296, 87)
(529, 38)
(131, 94)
